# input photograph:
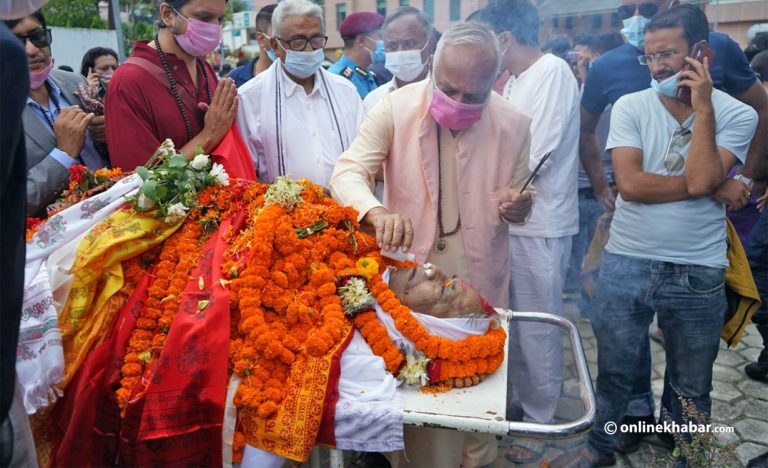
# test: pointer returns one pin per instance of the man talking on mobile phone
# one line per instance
(667, 250)
(618, 73)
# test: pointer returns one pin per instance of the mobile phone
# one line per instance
(699, 52)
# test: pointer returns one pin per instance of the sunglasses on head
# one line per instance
(646, 9)
(40, 38)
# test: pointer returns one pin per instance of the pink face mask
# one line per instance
(451, 114)
(200, 38)
(36, 79)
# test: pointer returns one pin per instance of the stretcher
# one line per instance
(482, 408)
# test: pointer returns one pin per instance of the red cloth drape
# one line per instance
(176, 417)
(85, 423)
(234, 155)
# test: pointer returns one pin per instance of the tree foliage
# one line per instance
(73, 14)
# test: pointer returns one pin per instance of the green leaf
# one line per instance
(149, 189)
(162, 192)
(177, 161)
(143, 172)
(199, 150)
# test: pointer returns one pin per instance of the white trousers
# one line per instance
(427, 447)
(538, 269)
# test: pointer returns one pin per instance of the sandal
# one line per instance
(525, 450)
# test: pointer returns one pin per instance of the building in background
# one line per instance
(735, 18)
(558, 17)
(571, 17)
(441, 12)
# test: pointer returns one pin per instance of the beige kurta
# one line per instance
(428, 447)
(452, 261)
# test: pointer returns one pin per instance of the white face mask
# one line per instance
(16, 9)
(406, 65)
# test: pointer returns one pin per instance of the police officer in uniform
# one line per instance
(362, 48)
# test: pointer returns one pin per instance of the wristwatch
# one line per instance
(745, 180)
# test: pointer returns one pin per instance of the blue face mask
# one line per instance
(271, 54)
(378, 55)
(303, 64)
(634, 29)
(667, 87)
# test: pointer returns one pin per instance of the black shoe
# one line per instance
(758, 370)
(582, 457)
(760, 461)
(630, 441)
(667, 440)
(370, 460)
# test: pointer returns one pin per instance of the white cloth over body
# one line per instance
(47, 280)
(539, 267)
(308, 132)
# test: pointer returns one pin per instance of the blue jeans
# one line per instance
(589, 211)
(757, 252)
(690, 303)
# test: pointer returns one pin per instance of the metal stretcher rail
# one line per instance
(499, 425)
(586, 392)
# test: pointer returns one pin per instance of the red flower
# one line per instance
(77, 173)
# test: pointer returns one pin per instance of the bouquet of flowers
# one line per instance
(172, 183)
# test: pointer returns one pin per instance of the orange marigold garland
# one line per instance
(447, 359)
(282, 269)
(176, 261)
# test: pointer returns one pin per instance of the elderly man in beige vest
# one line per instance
(455, 158)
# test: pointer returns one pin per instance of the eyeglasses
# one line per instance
(658, 57)
(299, 43)
(646, 9)
(674, 160)
(407, 44)
(40, 38)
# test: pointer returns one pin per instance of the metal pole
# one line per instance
(118, 28)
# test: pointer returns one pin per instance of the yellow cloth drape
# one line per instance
(741, 291)
(98, 276)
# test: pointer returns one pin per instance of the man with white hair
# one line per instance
(296, 118)
(455, 158)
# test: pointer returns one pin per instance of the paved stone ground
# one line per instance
(737, 401)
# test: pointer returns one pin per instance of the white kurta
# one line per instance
(548, 93)
(288, 131)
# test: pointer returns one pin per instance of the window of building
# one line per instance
(341, 13)
(555, 22)
(615, 21)
(569, 22)
(597, 21)
(404, 3)
(455, 10)
(429, 10)
(381, 7)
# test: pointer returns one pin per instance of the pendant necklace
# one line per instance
(441, 246)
